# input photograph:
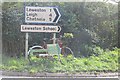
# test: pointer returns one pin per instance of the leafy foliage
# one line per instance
(104, 62)
(68, 35)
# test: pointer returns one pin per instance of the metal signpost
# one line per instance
(26, 46)
(41, 15)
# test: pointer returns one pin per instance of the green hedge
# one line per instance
(104, 62)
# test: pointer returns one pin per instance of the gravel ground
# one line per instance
(82, 74)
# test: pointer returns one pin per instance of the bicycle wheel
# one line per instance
(32, 56)
(67, 51)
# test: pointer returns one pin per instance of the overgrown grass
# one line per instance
(104, 62)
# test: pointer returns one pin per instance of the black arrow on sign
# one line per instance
(57, 15)
(59, 28)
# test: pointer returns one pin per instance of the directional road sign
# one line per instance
(41, 14)
(40, 28)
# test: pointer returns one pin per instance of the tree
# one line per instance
(90, 23)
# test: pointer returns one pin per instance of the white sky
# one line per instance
(108, 1)
(113, 1)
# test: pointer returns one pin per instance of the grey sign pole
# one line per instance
(26, 46)
(54, 38)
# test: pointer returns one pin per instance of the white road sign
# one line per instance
(40, 28)
(41, 14)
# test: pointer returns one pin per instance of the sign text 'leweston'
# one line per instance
(40, 28)
(41, 14)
